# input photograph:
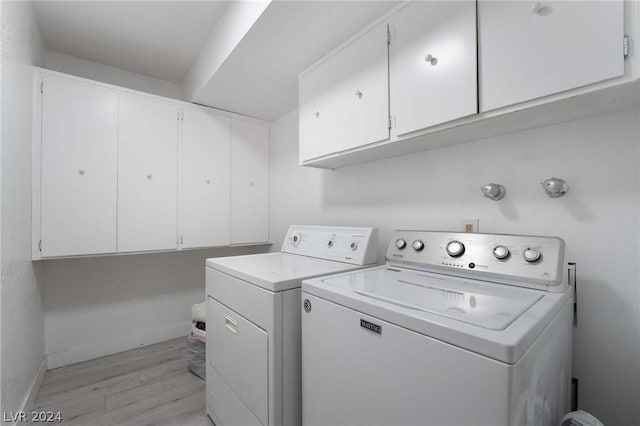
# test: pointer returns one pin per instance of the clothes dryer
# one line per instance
(253, 322)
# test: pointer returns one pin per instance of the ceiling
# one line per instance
(159, 39)
(162, 39)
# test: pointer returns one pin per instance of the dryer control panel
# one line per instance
(357, 246)
(530, 261)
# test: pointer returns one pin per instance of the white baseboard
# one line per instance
(117, 344)
(30, 399)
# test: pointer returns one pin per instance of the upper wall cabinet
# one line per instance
(118, 171)
(466, 70)
(147, 174)
(432, 64)
(533, 49)
(78, 154)
(316, 118)
(249, 182)
(206, 178)
(344, 100)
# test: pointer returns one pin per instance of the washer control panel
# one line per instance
(513, 259)
(350, 245)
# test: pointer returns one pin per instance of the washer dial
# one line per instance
(500, 252)
(353, 246)
(295, 239)
(455, 248)
(418, 245)
(401, 244)
(531, 254)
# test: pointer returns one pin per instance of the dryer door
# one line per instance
(238, 352)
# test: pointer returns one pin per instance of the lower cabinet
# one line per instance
(117, 171)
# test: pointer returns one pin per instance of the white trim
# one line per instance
(119, 344)
(36, 166)
(30, 399)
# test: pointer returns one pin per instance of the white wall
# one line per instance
(102, 305)
(22, 325)
(599, 219)
(94, 71)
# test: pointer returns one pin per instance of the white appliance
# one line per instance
(456, 329)
(253, 322)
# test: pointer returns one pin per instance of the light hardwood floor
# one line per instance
(147, 386)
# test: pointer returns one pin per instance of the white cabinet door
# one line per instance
(317, 121)
(344, 101)
(432, 64)
(362, 90)
(533, 49)
(249, 182)
(147, 174)
(78, 176)
(205, 179)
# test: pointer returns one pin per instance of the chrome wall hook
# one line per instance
(494, 191)
(555, 187)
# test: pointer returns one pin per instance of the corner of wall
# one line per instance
(22, 363)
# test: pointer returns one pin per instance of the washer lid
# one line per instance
(277, 271)
(495, 320)
(493, 307)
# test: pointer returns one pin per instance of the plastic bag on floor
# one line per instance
(196, 357)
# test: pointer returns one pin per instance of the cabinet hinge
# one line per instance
(389, 123)
(40, 245)
(181, 239)
(625, 46)
(42, 87)
(388, 36)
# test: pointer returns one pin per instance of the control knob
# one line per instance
(455, 248)
(401, 243)
(354, 246)
(500, 252)
(418, 245)
(531, 254)
(295, 239)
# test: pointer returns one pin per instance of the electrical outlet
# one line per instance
(470, 225)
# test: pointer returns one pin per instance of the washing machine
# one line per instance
(253, 322)
(456, 329)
